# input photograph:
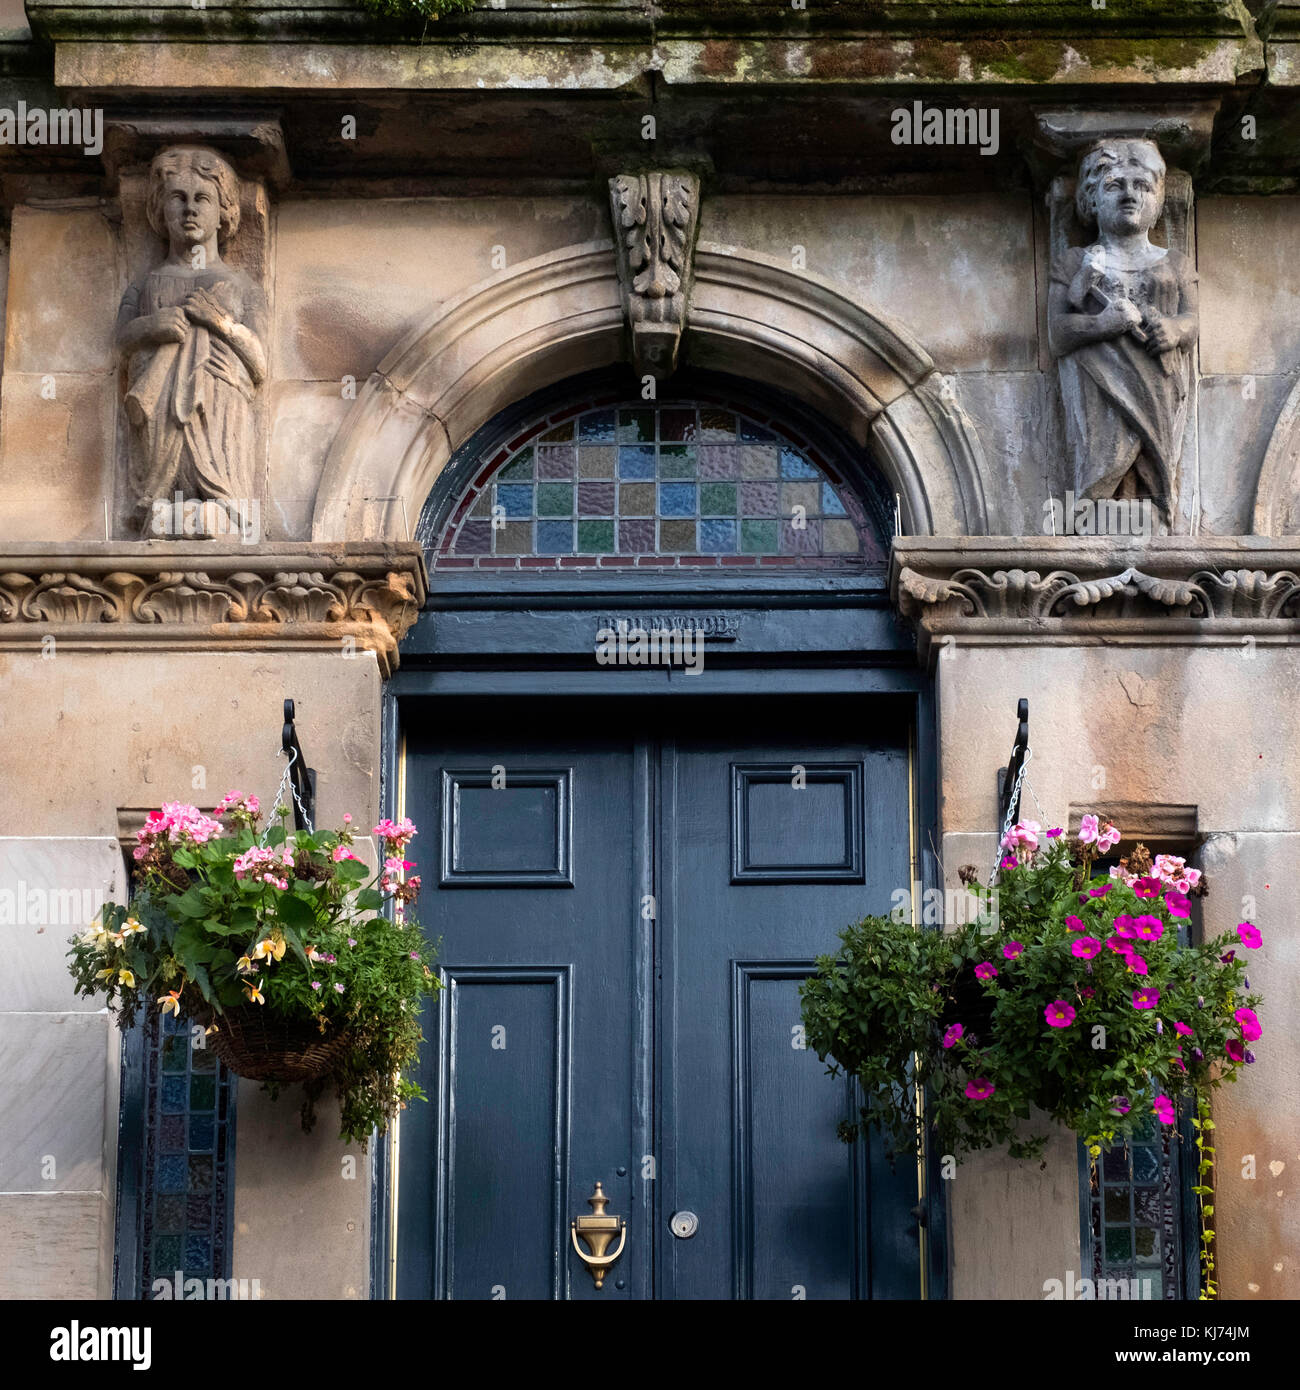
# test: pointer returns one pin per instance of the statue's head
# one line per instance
(193, 192)
(1121, 186)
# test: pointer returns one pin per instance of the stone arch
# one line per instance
(561, 314)
(1275, 492)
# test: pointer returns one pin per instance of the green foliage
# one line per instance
(428, 10)
(882, 1011)
(201, 939)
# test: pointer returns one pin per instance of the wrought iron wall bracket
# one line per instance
(1008, 791)
(302, 777)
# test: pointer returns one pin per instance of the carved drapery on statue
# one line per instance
(191, 332)
(1123, 319)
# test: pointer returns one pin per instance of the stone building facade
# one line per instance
(433, 241)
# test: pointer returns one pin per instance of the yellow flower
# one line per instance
(96, 937)
(105, 974)
(126, 978)
(171, 1000)
(254, 992)
(271, 946)
(244, 965)
(131, 927)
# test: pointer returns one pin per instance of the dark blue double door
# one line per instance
(627, 898)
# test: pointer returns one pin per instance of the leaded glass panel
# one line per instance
(682, 484)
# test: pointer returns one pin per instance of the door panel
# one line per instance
(530, 1062)
(625, 923)
(776, 840)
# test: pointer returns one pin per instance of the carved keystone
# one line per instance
(655, 217)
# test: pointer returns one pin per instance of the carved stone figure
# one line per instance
(192, 332)
(1122, 319)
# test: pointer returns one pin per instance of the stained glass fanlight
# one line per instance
(604, 485)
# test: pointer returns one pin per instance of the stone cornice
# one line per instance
(212, 596)
(1068, 589)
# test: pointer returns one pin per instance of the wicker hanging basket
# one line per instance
(263, 1046)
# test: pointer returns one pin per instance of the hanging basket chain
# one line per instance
(286, 780)
(1013, 802)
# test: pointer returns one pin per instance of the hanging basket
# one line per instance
(263, 1046)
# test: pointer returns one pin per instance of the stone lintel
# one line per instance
(212, 595)
(1071, 590)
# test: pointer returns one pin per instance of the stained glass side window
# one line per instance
(1137, 1198)
(180, 1161)
(634, 484)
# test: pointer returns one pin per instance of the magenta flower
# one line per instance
(1085, 947)
(1146, 998)
(1119, 945)
(1087, 992)
(1250, 1029)
(1179, 904)
(1136, 964)
(1008, 862)
(1250, 937)
(1148, 928)
(1123, 925)
(1052, 834)
(953, 1035)
(1234, 1050)
(985, 971)
(1059, 1014)
(1120, 1104)
(1183, 1029)
(1012, 949)
(1147, 887)
(1073, 923)
(979, 1089)
(1228, 957)
(1100, 892)
(1164, 1108)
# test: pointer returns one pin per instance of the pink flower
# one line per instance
(1183, 1029)
(953, 1035)
(1108, 839)
(338, 989)
(979, 1089)
(1100, 892)
(1059, 1014)
(1147, 928)
(1164, 1108)
(352, 941)
(1073, 923)
(1177, 904)
(985, 971)
(1250, 936)
(1235, 1050)
(347, 818)
(1250, 1029)
(1088, 830)
(340, 853)
(1147, 887)
(1146, 998)
(315, 984)
(396, 834)
(1085, 947)
(1012, 949)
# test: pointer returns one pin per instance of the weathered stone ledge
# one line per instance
(212, 595)
(1073, 588)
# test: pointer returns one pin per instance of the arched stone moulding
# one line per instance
(561, 314)
(1275, 494)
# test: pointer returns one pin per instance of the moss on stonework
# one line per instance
(429, 10)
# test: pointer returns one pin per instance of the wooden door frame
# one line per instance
(798, 635)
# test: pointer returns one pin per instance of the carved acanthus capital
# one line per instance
(655, 216)
(271, 596)
(1088, 591)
